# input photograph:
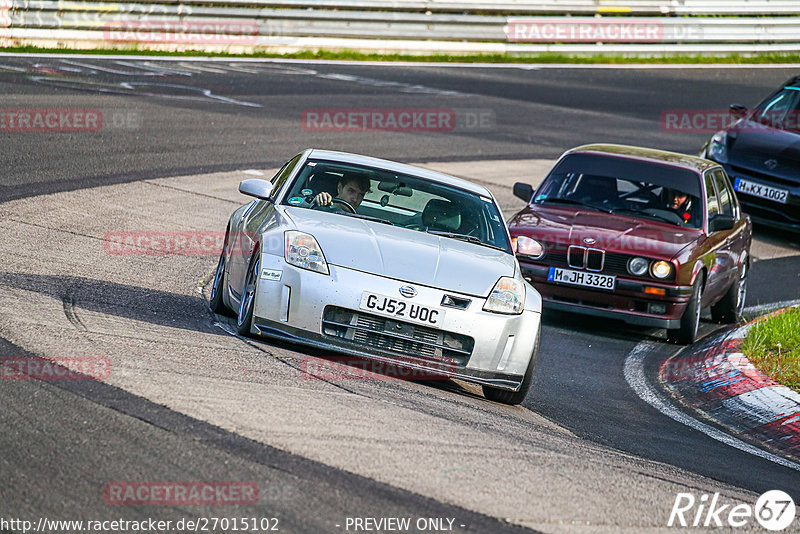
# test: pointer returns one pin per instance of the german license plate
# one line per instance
(581, 278)
(761, 190)
(400, 309)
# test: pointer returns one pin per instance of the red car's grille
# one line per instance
(595, 260)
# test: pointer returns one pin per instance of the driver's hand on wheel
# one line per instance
(323, 199)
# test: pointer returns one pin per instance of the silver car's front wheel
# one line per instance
(244, 321)
(215, 301)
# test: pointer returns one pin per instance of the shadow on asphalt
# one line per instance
(152, 306)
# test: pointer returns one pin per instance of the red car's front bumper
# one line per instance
(628, 301)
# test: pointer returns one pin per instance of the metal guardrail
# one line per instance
(249, 27)
(514, 7)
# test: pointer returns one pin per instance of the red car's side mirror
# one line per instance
(721, 222)
(523, 191)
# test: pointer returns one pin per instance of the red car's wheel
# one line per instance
(686, 333)
(729, 308)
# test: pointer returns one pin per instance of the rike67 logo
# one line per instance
(774, 510)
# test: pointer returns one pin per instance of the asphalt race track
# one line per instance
(187, 401)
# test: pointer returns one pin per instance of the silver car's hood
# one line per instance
(404, 254)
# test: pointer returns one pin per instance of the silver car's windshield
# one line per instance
(399, 199)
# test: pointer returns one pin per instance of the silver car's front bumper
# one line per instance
(290, 303)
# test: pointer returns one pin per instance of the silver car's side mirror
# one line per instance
(256, 188)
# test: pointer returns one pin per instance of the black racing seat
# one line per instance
(595, 190)
(323, 181)
(441, 215)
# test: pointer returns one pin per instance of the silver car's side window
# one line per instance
(280, 178)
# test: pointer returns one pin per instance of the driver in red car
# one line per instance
(678, 202)
(350, 188)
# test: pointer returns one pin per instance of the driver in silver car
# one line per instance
(350, 188)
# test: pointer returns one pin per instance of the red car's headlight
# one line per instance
(527, 247)
(661, 269)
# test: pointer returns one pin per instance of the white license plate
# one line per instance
(401, 309)
(761, 190)
(581, 278)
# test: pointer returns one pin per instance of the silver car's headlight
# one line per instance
(717, 147)
(508, 296)
(303, 251)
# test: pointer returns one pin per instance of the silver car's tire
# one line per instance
(216, 302)
(514, 397)
(244, 320)
(690, 321)
(729, 308)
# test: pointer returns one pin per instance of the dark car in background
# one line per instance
(642, 235)
(761, 153)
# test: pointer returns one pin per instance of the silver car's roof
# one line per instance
(346, 157)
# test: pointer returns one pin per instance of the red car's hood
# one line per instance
(564, 226)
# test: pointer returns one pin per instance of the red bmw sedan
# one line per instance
(637, 234)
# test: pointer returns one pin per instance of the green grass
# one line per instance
(439, 58)
(773, 346)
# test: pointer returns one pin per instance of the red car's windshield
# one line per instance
(637, 190)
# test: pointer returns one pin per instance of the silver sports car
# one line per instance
(383, 261)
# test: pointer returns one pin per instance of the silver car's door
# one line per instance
(249, 227)
(241, 246)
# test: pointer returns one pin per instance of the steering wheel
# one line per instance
(666, 214)
(345, 204)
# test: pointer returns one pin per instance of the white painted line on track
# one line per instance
(634, 375)
(766, 308)
(520, 66)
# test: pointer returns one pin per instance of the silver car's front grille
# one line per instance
(399, 338)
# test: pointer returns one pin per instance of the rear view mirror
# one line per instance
(523, 191)
(737, 111)
(721, 222)
(395, 188)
